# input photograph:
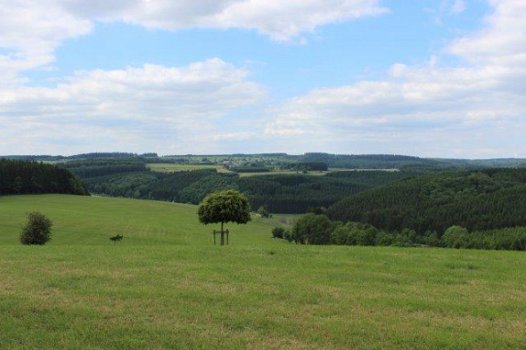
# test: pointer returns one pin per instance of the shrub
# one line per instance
(362, 234)
(354, 233)
(503, 239)
(455, 237)
(340, 235)
(278, 232)
(384, 239)
(263, 212)
(401, 240)
(37, 229)
(431, 239)
(288, 236)
(313, 229)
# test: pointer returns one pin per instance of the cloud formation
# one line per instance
(475, 108)
(33, 29)
(150, 106)
(280, 20)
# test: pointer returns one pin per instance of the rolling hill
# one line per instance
(167, 286)
(477, 200)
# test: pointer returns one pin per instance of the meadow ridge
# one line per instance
(167, 286)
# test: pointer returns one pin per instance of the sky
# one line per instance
(430, 78)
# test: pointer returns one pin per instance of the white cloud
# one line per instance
(151, 107)
(481, 103)
(279, 19)
(32, 29)
(503, 41)
(474, 109)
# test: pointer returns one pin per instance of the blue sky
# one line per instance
(439, 78)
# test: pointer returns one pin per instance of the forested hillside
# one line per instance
(278, 193)
(299, 193)
(23, 177)
(477, 200)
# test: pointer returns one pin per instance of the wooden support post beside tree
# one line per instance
(224, 207)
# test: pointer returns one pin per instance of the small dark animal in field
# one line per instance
(117, 238)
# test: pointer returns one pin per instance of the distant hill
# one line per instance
(476, 199)
(283, 160)
(26, 177)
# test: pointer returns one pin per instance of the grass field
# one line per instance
(167, 286)
(174, 168)
(312, 173)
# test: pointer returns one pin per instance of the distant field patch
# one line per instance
(285, 220)
(174, 168)
(311, 173)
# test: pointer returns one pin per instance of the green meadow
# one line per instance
(175, 168)
(167, 286)
(310, 172)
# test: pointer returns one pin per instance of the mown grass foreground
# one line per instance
(167, 286)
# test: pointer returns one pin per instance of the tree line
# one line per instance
(27, 177)
(319, 230)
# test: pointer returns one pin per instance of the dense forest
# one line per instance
(296, 193)
(476, 200)
(278, 193)
(24, 177)
(301, 193)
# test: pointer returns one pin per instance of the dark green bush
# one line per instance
(340, 235)
(263, 212)
(354, 233)
(288, 235)
(385, 239)
(37, 229)
(431, 239)
(313, 229)
(455, 237)
(278, 232)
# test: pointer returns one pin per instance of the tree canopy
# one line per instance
(313, 229)
(223, 207)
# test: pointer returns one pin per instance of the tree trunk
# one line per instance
(222, 235)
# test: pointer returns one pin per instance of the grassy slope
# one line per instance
(166, 286)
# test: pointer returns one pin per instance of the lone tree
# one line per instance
(37, 229)
(223, 207)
